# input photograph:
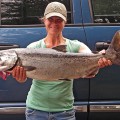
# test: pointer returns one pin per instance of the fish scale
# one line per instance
(56, 64)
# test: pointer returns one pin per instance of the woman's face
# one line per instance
(54, 25)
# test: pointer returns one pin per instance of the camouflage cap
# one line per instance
(56, 9)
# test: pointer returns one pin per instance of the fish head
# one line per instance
(8, 59)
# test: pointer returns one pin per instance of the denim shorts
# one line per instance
(32, 114)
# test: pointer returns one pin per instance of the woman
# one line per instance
(48, 100)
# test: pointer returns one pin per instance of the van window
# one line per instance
(26, 12)
(106, 11)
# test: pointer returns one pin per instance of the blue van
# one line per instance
(93, 22)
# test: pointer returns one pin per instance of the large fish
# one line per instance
(52, 64)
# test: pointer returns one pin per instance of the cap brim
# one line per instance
(55, 14)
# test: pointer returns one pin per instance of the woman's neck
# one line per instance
(52, 41)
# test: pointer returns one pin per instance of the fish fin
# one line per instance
(61, 48)
(29, 68)
(115, 43)
(90, 72)
(114, 49)
(91, 75)
(65, 79)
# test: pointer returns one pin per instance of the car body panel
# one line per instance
(96, 98)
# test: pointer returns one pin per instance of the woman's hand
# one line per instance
(19, 74)
(103, 62)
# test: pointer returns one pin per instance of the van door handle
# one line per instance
(4, 46)
(101, 45)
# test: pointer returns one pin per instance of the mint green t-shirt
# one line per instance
(52, 96)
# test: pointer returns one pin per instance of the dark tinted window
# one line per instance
(24, 12)
(106, 11)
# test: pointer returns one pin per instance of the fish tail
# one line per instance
(113, 51)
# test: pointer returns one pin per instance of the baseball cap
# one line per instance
(56, 9)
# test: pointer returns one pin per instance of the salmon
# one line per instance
(56, 64)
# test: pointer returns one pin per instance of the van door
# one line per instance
(20, 25)
(102, 23)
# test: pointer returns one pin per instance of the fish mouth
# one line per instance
(8, 59)
(4, 68)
